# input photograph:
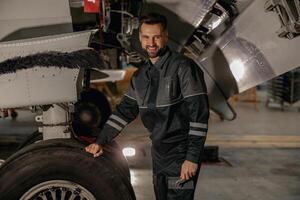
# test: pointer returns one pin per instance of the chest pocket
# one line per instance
(169, 91)
(170, 87)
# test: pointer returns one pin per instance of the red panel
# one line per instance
(91, 6)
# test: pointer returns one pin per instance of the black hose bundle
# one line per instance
(86, 58)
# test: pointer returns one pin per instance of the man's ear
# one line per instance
(167, 36)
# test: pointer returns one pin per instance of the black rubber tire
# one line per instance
(113, 148)
(63, 159)
(32, 138)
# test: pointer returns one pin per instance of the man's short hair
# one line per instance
(153, 18)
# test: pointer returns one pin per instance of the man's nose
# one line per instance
(151, 41)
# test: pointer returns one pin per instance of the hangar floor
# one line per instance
(261, 149)
(260, 153)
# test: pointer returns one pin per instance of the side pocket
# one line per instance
(176, 183)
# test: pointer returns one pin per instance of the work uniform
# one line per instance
(171, 98)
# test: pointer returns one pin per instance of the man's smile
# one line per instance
(152, 48)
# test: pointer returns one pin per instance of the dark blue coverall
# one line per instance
(171, 98)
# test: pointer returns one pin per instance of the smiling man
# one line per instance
(169, 93)
(153, 38)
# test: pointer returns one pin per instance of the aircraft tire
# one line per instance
(61, 168)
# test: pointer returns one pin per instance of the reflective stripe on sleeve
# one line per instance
(114, 125)
(118, 119)
(198, 125)
(197, 133)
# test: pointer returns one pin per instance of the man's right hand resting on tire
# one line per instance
(95, 149)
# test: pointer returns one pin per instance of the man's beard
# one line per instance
(159, 52)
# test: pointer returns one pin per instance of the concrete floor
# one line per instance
(262, 149)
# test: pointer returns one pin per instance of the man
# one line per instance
(169, 93)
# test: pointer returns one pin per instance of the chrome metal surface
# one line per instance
(288, 12)
(58, 190)
(213, 20)
(245, 61)
(250, 52)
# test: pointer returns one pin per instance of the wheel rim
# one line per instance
(1, 162)
(58, 190)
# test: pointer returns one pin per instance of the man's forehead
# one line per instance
(151, 28)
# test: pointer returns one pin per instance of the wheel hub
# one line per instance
(59, 190)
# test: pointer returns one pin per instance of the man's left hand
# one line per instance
(188, 170)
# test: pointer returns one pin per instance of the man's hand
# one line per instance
(95, 149)
(188, 170)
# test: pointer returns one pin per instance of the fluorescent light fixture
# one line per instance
(128, 152)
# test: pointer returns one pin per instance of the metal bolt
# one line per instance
(77, 191)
